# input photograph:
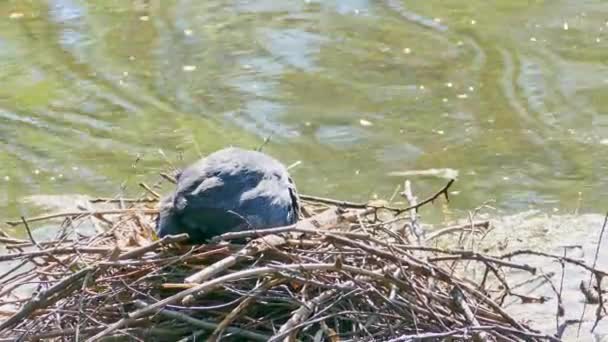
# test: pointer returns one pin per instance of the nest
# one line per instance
(344, 272)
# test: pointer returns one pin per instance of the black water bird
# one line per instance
(229, 190)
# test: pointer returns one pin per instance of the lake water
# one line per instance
(97, 96)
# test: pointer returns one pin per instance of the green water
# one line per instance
(510, 93)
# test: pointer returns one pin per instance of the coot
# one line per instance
(229, 190)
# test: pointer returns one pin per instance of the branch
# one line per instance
(249, 335)
(43, 298)
(81, 213)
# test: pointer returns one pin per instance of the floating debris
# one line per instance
(365, 123)
(446, 173)
(16, 15)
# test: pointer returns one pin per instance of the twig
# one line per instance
(250, 335)
(169, 178)
(467, 255)
(442, 191)
(414, 225)
(300, 315)
(447, 230)
(598, 313)
(144, 249)
(232, 315)
(148, 189)
(85, 213)
(460, 301)
(43, 298)
(252, 233)
(560, 311)
(464, 331)
(256, 246)
(264, 143)
(29, 232)
(553, 256)
(122, 200)
(56, 251)
(199, 289)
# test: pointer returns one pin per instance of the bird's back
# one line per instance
(231, 189)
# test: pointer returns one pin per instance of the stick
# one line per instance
(414, 225)
(435, 234)
(29, 232)
(144, 249)
(467, 255)
(598, 313)
(121, 200)
(261, 244)
(56, 251)
(461, 303)
(43, 298)
(168, 178)
(12, 241)
(86, 213)
(148, 189)
(206, 286)
(300, 315)
(442, 191)
(232, 315)
(557, 257)
(250, 335)
(254, 247)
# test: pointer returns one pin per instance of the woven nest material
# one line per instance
(339, 274)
